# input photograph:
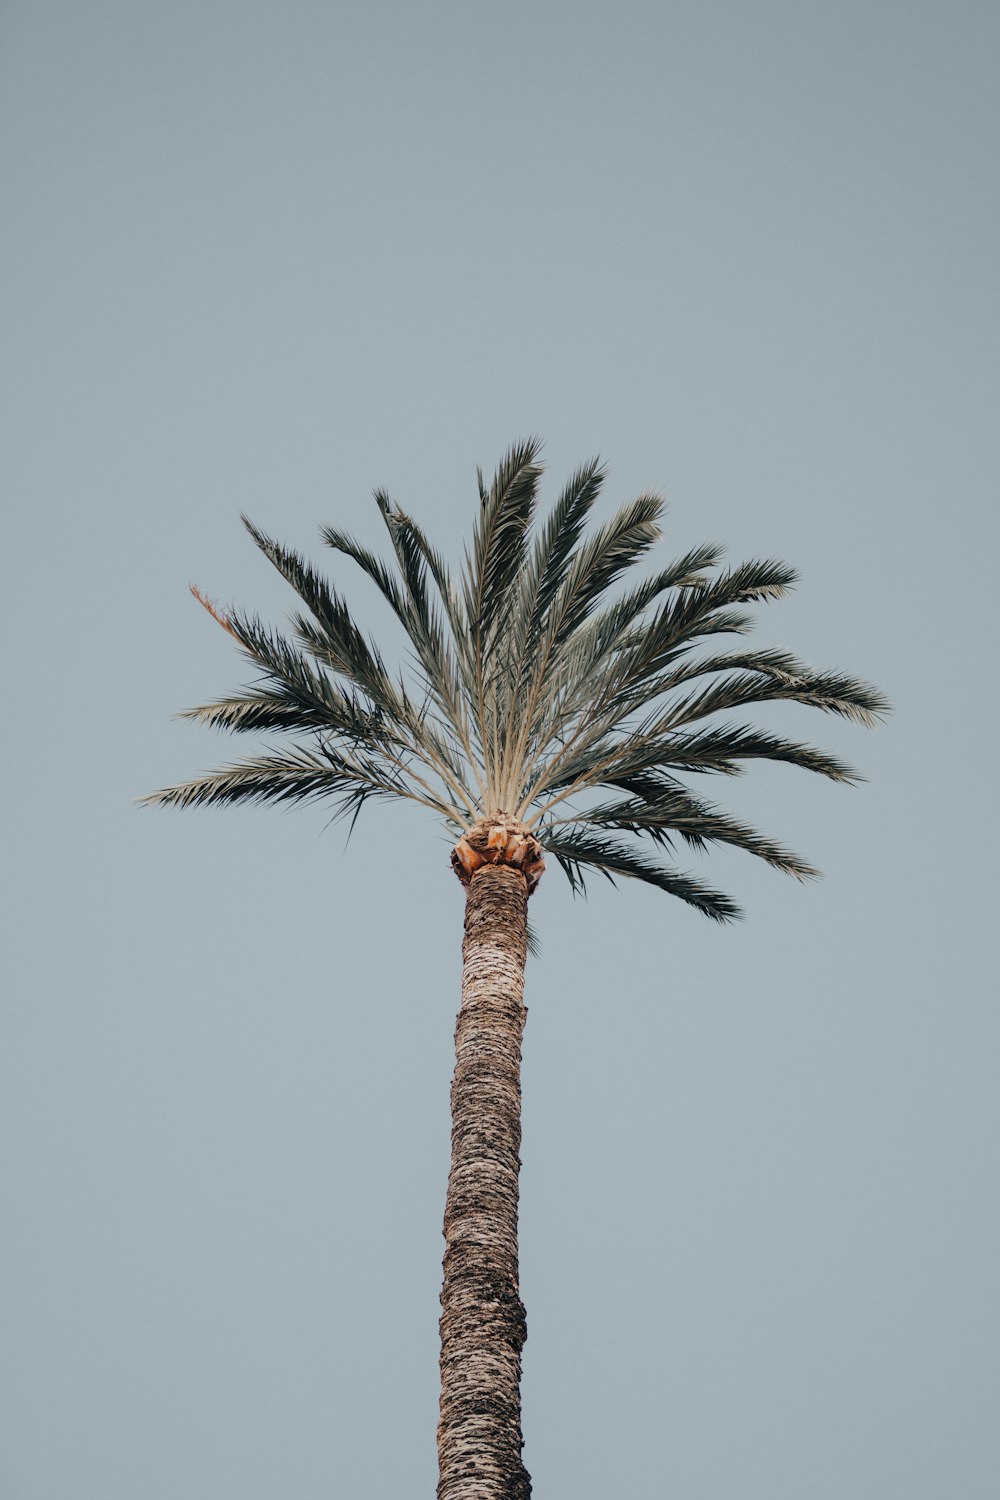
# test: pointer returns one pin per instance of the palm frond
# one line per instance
(579, 849)
(448, 594)
(373, 566)
(610, 761)
(411, 602)
(829, 691)
(295, 776)
(324, 704)
(534, 667)
(500, 537)
(688, 572)
(675, 813)
(553, 549)
(573, 677)
(383, 716)
(721, 750)
(344, 647)
(706, 609)
(599, 561)
(259, 711)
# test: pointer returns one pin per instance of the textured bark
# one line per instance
(482, 1324)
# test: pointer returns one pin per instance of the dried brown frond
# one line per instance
(218, 615)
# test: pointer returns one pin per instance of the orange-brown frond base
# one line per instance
(498, 841)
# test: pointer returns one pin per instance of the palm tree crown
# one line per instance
(535, 700)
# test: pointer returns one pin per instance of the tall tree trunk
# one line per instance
(482, 1322)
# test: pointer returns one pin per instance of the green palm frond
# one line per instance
(336, 638)
(541, 579)
(721, 750)
(578, 849)
(323, 701)
(606, 630)
(531, 687)
(255, 712)
(294, 776)
(674, 813)
(554, 548)
(500, 538)
(704, 609)
(532, 713)
(420, 614)
(598, 562)
(830, 691)
(373, 566)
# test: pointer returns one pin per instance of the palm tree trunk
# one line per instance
(482, 1323)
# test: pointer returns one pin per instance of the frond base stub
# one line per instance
(500, 840)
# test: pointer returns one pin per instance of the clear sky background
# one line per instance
(264, 257)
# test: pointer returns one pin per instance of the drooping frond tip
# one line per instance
(536, 689)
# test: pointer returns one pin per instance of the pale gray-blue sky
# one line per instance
(262, 258)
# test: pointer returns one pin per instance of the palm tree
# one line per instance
(541, 717)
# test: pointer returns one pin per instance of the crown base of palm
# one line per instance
(499, 840)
